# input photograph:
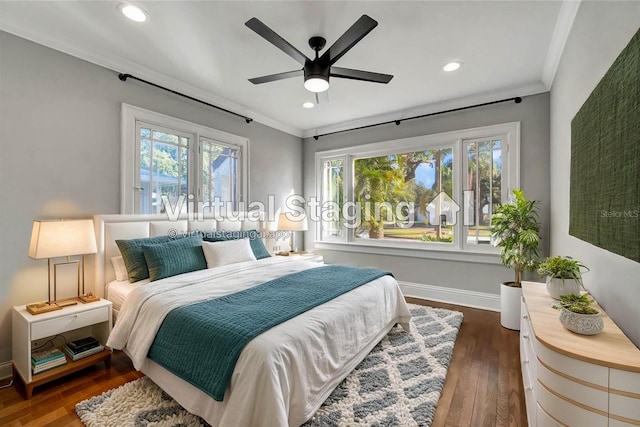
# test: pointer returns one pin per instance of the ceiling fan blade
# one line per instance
(367, 76)
(353, 35)
(272, 37)
(278, 76)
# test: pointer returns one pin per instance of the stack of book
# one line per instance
(47, 358)
(82, 348)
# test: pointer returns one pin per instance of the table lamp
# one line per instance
(292, 222)
(53, 239)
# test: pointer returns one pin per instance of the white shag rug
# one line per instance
(397, 384)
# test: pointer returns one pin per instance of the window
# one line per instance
(189, 166)
(164, 167)
(220, 172)
(332, 226)
(433, 192)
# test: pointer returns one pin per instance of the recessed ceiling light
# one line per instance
(452, 66)
(308, 104)
(133, 12)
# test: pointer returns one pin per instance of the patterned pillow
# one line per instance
(227, 252)
(131, 251)
(174, 257)
(257, 246)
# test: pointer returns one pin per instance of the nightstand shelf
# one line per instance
(73, 322)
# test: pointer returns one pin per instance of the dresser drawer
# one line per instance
(543, 419)
(568, 413)
(57, 325)
(581, 393)
(625, 395)
(589, 372)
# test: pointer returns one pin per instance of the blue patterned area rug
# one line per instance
(397, 384)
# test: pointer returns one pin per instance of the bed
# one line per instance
(283, 375)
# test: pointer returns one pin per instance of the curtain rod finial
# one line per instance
(123, 77)
(316, 137)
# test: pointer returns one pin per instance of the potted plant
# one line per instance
(577, 315)
(515, 229)
(563, 275)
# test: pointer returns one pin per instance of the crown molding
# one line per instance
(120, 65)
(566, 16)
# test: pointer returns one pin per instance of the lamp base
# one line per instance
(42, 307)
(88, 298)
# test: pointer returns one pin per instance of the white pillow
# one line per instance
(227, 252)
(119, 268)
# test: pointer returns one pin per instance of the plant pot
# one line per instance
(510, 301)
(584, 324)
(557, 287)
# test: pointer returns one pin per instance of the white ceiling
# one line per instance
(203, 48)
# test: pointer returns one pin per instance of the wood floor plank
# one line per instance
(483, 385)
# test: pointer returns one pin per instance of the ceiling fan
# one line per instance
(317, 71)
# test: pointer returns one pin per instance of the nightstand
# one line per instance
(73, 322)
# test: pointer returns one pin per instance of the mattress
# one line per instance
(118, 290)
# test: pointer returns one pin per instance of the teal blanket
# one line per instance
(202, 342)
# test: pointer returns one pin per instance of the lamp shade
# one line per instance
(50, 239)
(292, 222)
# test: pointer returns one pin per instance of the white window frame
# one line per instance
(460, 249)
(130, 152)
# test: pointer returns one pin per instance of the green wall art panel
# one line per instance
(605, 160)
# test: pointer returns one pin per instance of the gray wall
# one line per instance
(60, 154)
(533, 114)
(600, 32)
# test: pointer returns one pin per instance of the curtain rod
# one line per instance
(124, 78)
(516, 99)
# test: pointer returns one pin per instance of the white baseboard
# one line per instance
(6, 370)
(452, 296)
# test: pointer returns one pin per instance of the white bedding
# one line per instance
(282, 376)
(117, 291)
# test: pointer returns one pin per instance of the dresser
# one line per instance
(571, 379)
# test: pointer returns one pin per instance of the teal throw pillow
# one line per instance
(131, 251)
(174, 257)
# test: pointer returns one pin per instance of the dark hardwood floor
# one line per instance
(484, 382)
(483, 385)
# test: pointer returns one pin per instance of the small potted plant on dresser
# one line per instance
(564, 275)
(515, 229)
(577, 315)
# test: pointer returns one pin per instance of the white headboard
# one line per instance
(110, 228)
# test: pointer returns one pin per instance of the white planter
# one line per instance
(510, 298)
(557, 287)
(584, 324)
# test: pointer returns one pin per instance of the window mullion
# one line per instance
(348, 191)
(457, 184)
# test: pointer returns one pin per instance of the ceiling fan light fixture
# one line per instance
(316, 84)
(133, 12)
(452, 66)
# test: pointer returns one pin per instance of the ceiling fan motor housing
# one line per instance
(316, 70)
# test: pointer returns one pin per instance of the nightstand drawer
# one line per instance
(72, 321)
